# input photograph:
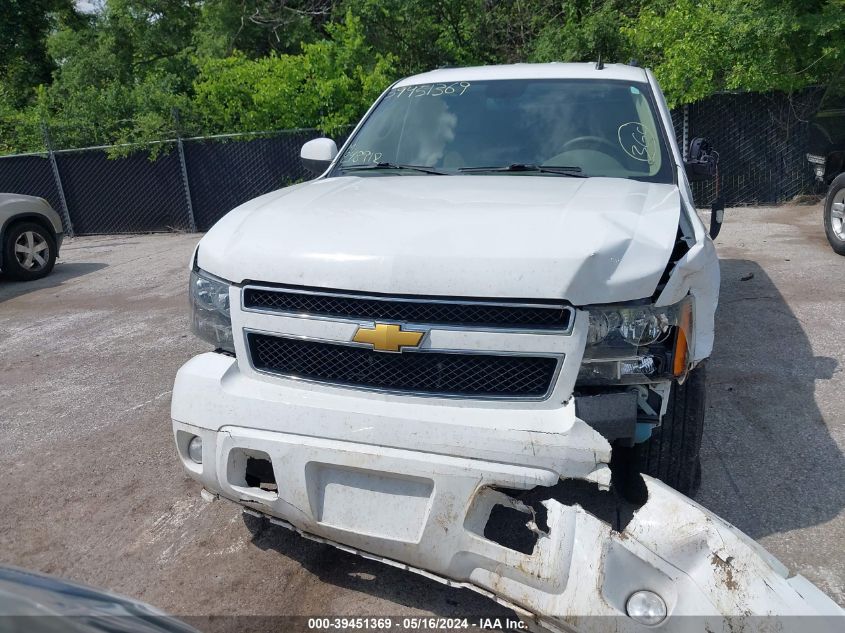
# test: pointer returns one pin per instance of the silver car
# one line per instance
(31, 234)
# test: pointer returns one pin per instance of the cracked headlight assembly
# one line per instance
(637, 344)
(210, 319)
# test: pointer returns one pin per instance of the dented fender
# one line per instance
(696, 273)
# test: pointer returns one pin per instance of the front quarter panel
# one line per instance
(697, 273)
(13, 206)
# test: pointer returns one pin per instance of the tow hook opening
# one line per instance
(259, 474)
(251, 471)
(513, 526)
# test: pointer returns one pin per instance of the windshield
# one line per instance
(580, 127)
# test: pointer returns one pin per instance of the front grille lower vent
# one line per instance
(434, 311)
(434, 373)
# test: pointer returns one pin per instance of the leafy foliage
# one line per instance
(24, 27)
(118, 75)
(258, 27)
(697, 47)
(589, 28)
(326, 86)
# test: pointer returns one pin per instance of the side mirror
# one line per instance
(317, 155)
(717, 216)
(703, 161)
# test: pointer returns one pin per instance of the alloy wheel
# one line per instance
(837, 214)
(33, 251)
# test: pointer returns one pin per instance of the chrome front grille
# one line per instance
(464, 313)
(420, 372)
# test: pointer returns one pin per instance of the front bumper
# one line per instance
(419, 491)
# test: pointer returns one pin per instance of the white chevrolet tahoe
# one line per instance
(457, 347)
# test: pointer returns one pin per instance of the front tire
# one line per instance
(834, 214)
(672, 452)
(29, 252)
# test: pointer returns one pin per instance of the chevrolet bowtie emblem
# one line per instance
(387, 338)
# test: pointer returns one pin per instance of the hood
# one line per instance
(591, 240)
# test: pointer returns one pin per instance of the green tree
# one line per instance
(585, 30)
(119, 75)
(24, 28)
(697, 47)
(421, 34)
(425, 34)
(258, 27)
(254, 65)
(328, 85)
(20, 129)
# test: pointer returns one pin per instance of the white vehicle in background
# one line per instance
(455, 349)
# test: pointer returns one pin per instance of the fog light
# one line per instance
(646, 607)
(195, 449)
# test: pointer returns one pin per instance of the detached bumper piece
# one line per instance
(555, 546)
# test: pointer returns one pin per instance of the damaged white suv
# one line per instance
(429, 353)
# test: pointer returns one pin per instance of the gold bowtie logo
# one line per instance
(387, 338)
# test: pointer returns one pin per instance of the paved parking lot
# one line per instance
(92, 490)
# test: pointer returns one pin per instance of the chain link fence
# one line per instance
(32, 175)
(762, 144)
(132, 194)
(180, 185)
(189, 184)
(224, 172)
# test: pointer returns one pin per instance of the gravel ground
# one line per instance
(92, 490)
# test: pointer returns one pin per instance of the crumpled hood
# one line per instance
(591, 240)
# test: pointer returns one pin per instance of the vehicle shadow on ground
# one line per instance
(350, 571)
(769, 462)
(61, 273)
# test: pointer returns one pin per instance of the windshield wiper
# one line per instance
(419, 168)
(574, 172)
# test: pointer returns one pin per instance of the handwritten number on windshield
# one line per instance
(362, 156)
(430, 90)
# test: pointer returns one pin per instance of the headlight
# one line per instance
(637, 344)
(210, 318)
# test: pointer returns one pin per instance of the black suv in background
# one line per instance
(827, 155)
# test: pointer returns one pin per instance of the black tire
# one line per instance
(672, 452)
(836, 189)
(14, 269)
